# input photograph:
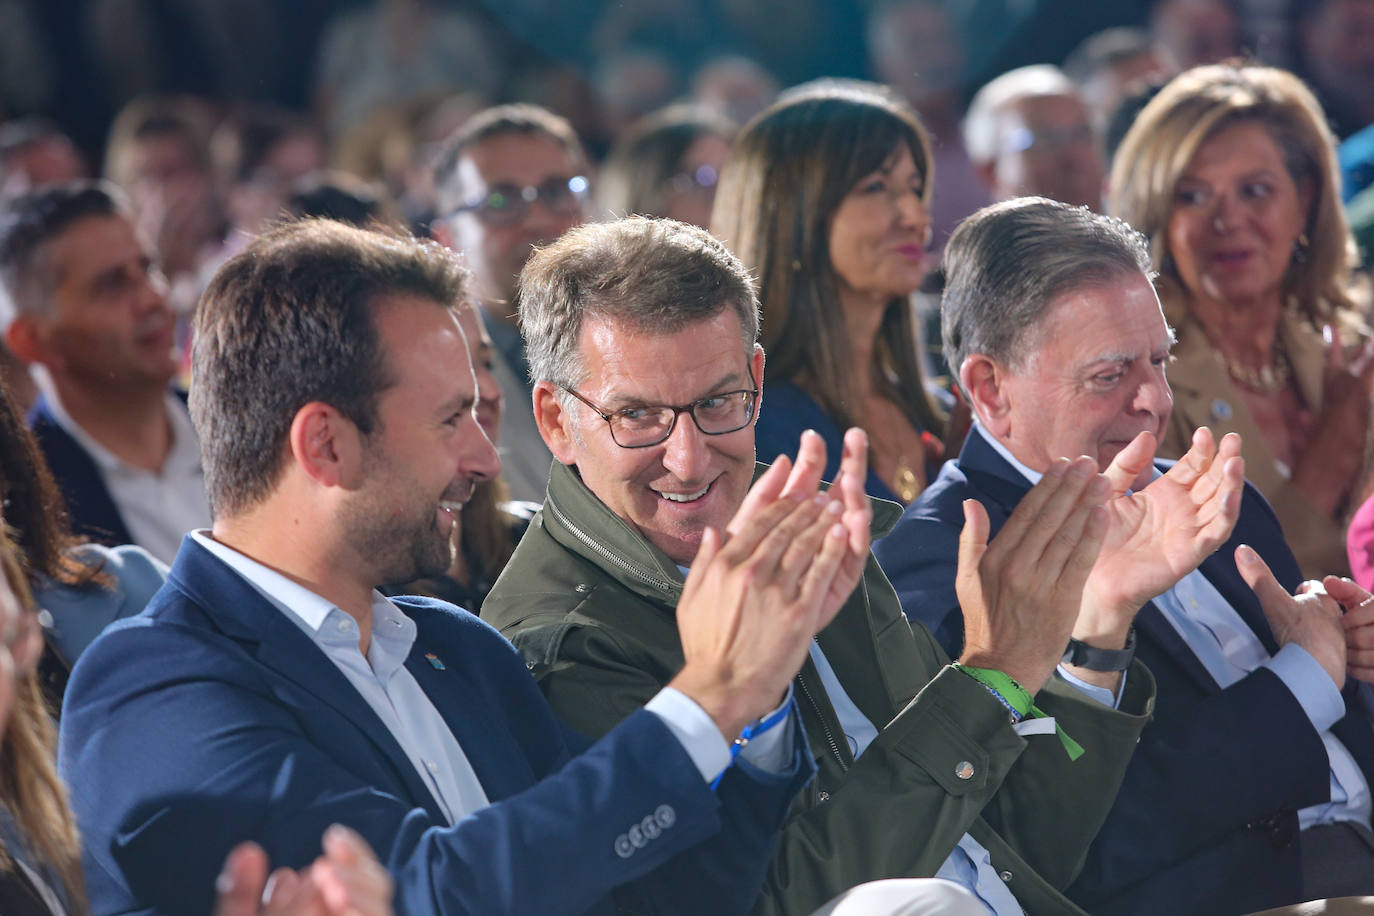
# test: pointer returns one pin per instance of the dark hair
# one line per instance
(289, 321)
(519, 118)
(335, 195)
(1104, 49)
(245, 140)
(655, 275)
(787, 174)
(1006, 264)
(635, 175)
(27, 223)
(34, 509)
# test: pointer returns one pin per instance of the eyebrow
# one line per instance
(621, 401)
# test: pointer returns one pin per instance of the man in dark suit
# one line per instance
(1250, 788)
(80, 297)
(269, 690)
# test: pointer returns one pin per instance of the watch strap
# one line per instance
(1082, 655)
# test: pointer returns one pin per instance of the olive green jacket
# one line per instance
(590, 604)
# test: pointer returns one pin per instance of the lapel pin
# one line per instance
(1221, 410)
(435, 662)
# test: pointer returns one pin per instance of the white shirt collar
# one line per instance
(291, 597)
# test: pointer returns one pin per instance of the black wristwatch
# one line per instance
(1082, 655)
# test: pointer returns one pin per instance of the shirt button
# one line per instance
(343, 626)
(963, 769)
(1004, 875)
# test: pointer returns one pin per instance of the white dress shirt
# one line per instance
(158, 507)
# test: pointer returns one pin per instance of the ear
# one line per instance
(555, 423)
(984, 381)
(326, 446)
(27, 339)
(756, 364)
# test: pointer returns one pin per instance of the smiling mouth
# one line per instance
(684, 497)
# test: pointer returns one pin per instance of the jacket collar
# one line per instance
(578, 520)
(266, 634)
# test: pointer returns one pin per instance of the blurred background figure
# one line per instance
(486, 531)
(738, 87)
(1231, 174)
(914, 48)
(825, 200)
(668, 164)
(339, 196)
(35, 153)
(158, 153)
(1108, 65)
(1029, 133)
(393, 50)
(1188, 33)
(1336, 53)
(512, 178)
(631, 83)
(258, 152)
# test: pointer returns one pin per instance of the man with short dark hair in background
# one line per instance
(511, 178)
(83, 300)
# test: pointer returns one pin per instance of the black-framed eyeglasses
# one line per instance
(504, 204)
(641, 427)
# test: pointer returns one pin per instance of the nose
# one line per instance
(912, 213)
(478, 458)
(1224, 215)
(685, 453)
(1153, 396)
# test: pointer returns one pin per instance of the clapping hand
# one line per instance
(758, 593)
(1020, 594)
(1311, 618)
(1358, 623)
(1328, 470)
(347, 880)
(1160, 533)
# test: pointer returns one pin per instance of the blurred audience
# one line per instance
(825, 200)
(738, 87)
(258, 153)
(339, 196)
(1108, 65)
(158, 152)
(1230, 172)
(631, 83)
(512, 178)
(35, 153)
(1029, 133)
(1188, 33)
(83, 301)
(393, 50)
(667, 164)
(914, 47)
(1336, 49)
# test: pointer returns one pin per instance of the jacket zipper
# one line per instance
(608, 555)
(820, 717)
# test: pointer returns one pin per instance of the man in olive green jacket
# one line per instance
(949, 781)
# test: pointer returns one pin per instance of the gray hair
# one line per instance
(650, 275)
(1006, 264)
(28, 223)
(980, 123)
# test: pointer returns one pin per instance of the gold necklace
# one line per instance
(1264, 380)
(904, 481)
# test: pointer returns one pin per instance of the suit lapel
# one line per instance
(458, 695)
(281, 646)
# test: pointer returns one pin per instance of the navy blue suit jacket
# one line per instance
(1206, 820)
(91, 509)
(212, 718)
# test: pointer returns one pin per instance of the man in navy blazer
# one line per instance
(1061, 346)
(269, 691)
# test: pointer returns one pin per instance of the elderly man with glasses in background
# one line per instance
(511, 178)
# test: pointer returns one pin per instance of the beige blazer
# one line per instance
(1204, 395)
